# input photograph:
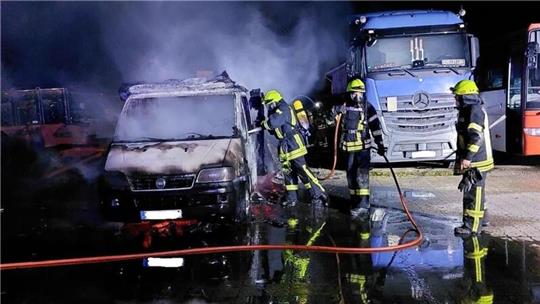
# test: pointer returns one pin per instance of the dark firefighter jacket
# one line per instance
(474, 142)
(283, 124)
(355, 134)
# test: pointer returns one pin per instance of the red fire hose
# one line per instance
(220, 249)
(336, 134)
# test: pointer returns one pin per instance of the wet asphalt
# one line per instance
(61, 220)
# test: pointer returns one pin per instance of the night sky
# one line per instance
(55, 44)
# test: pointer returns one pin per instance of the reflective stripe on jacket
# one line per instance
(355, 134)
(283, 124)
(474, 141)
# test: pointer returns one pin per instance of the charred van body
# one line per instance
(181, 150)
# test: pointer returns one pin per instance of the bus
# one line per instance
(47, 119)
(509, 81)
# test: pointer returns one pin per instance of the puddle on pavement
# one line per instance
(442, 270)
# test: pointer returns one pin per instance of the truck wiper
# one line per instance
(449, 68)
(400, 69)
(444, 67)
(409, 72)
(453, 70)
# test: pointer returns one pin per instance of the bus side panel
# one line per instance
(496, 110)
(531, 144)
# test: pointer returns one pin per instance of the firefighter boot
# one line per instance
(321, 201)
(361, 209)
(463, 230)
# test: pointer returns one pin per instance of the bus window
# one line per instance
(7, 111)
(26, 109)
(533, 85)
(514, 102)
(7, 114)
(495, 79)
(53, 108)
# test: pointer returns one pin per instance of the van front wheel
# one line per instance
(243, 204)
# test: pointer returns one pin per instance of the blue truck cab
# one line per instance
(408, 61)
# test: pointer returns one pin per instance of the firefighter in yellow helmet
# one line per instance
(359, 118)
(283, 124)
(474, 154)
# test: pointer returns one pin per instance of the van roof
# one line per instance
(219, 85)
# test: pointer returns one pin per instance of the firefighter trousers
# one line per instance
(295, 169)
(473, 205)
(358, 177)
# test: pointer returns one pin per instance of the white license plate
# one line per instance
(161, 214)
(423, 154)
(164, 262)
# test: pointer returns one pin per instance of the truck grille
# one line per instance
(439, 114)
(172, 182)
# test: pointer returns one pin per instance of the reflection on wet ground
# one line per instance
(445, 269)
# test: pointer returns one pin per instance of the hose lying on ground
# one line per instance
(221, 249)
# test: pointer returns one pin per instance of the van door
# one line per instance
(249, 140)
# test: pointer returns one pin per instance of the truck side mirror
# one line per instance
(338, 78)
(474, 50)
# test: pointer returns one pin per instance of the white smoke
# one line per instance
(161, 41)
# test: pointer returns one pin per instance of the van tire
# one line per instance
(243, 204)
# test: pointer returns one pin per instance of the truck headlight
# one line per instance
(214, 175)
(532, 131)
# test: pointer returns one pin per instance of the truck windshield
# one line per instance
(441, 50)
(176, 118)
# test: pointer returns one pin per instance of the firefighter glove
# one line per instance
(381, 149)
(470, 178)
(258, 123)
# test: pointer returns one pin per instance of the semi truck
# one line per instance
(408, 61)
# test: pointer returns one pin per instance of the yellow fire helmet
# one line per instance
(356, 85)
(272, 96)
(464, 87)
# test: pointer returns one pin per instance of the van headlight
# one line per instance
(215, 175)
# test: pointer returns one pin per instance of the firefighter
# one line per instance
(474, 154)
(476, 287)
(359, 116)
(283, 124)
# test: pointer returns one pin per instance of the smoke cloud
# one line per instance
(284, 46)
(268, 46)
(93, 47)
